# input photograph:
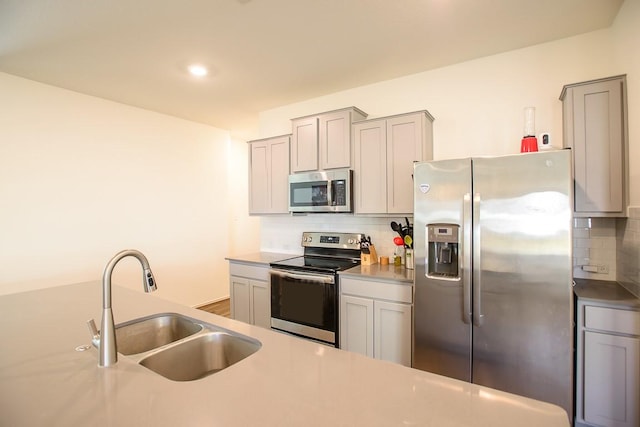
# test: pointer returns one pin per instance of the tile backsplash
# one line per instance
(594, 248)
(611, 247)
(282, 233)
(628, 253)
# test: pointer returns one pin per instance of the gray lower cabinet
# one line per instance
(384, 153)
(269, 175)
(375, 319)
(594, 127)
(250, 294)
(607, 366)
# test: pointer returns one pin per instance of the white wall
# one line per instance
(82, 178)
(244, 230)
(626, 42)
(478, 105)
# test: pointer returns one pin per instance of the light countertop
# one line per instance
(44, 381)
(381, 272)
(604, 291)
(262, 258)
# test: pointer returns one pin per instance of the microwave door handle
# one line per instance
(329, 193)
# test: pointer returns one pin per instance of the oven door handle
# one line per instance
(303, 276)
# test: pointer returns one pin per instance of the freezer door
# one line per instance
(522, 297)
(442, 325)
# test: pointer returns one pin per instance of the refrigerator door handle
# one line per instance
(478, 317)
(466, 258)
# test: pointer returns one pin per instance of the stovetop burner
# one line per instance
(325, 252)
(314, 263)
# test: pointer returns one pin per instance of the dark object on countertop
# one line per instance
(365, 244)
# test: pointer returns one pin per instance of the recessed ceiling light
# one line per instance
(198, 70)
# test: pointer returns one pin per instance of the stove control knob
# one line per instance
(351, 241)
(308, 239)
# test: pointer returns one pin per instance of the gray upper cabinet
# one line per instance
(268, 175)
(323, 141)
(594, 125)
(384, 152)
(304, 144)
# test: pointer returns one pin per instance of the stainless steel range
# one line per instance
(304, 290)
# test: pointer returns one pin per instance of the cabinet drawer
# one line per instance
(249, 271)
(377, 290)
(613, 320)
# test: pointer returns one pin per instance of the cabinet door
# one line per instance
(392, 337)
(370, 167)
(260, 298)
(268, 176)
(598, 147)
(335, 140)
(404, 147)
(259, 169)
(611, 380)
(240, 305)
(279, 176)
(304, 145)
(356, 325)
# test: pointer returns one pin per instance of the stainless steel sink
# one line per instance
(201, 356)
(148, 333)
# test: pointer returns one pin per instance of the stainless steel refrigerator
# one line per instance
(493, 273)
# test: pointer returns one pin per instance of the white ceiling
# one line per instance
(264, 53)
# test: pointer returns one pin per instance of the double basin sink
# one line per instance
(181, 348)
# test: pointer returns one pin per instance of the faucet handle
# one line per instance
(93, 330)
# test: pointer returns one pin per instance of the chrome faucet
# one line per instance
(105, 340)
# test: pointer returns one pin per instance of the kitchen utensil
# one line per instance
(408, 241)
(364, 245)
(398, 241)
(397, 228)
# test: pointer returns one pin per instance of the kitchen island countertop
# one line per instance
(46, 381)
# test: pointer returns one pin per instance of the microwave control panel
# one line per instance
(340, 192)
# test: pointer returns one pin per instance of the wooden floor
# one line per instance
(221, 308)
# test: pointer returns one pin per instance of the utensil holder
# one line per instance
(370, 258)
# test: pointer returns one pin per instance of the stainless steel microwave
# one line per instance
(322, 191)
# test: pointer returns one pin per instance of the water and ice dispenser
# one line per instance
(443, 251)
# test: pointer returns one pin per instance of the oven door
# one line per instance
(304, 303)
